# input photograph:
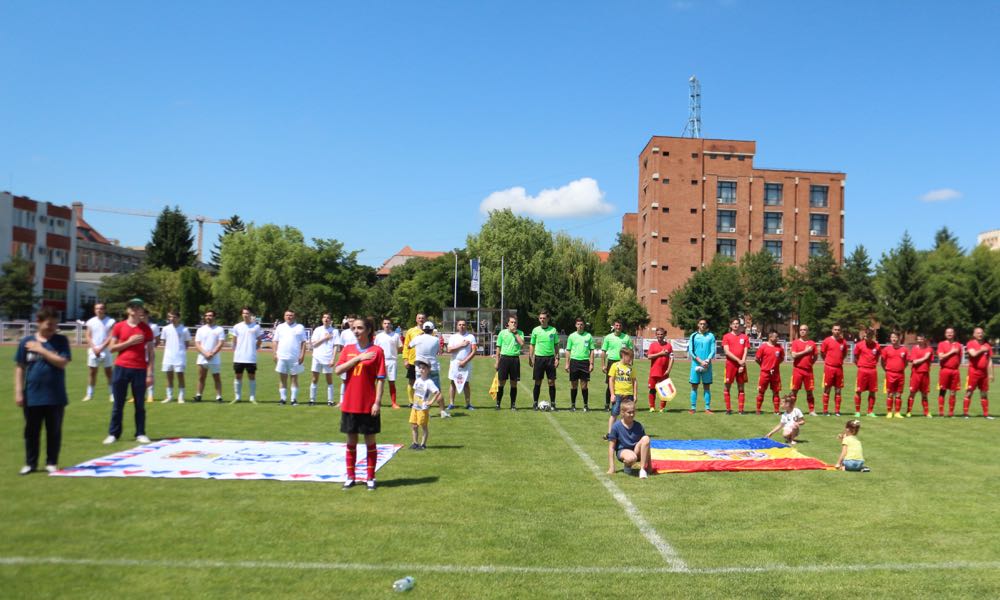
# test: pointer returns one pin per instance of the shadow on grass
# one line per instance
(407, 481)
(433, 447)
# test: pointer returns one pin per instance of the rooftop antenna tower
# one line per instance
(693, 127)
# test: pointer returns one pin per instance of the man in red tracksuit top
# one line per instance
(921, 357)
(804, 352)
(894, 364)
(769, 356)
(866, 355)
(980, 372)
(833, 349)
(736, 345)
(949, 354)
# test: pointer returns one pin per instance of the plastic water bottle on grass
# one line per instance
(403, 585)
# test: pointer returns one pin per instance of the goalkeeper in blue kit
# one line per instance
(701, 350)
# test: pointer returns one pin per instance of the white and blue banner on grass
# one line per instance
(474, 285)
(192, 458)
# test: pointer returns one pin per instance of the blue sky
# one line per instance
(389, 125)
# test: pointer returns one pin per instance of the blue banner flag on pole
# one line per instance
(475, 275)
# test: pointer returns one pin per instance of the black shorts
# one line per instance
(363, 423)
(411, 373)
(509, 368)
(611, 365)
(251, 368)
(579, 370)
(544, 366)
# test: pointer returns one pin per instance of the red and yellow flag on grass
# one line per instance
(759, 454)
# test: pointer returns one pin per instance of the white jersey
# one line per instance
(427, 347)
(464, 352)
(323, 348)
(790, 418)
(156, 330)
(209, 336)
(174, 340)
(389, 343)
(347, 338)
(245, 344)
(288, 339)
(99, 329)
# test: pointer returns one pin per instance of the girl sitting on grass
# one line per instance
(851, 457)
(791, 420)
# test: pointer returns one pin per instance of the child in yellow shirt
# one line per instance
(851, 456)
(621, 380)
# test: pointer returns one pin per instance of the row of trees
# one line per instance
(271, 268)
(908, 289)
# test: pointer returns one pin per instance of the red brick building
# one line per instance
(701, 197)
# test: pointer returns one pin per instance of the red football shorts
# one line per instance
(769, 380)
(655, 378)
(978, 379)
(833, 377)
(802, 379)
(733, 374)
(867, 380)
(948, 379)
(894, 381)
(920, 382)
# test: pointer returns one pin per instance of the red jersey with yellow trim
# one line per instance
(865, 355)
(806, 361)
(769, 357)
(737, 343)
(916, 353)
(982, 361)
(894, 358)
(834, 351)
(359, 389)
(953, 361)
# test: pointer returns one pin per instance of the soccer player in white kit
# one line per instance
(289, 352)
(388, 340)
(208, 341)
(176, 338)
(98, 335)
(462, 347)
(247, 336)
(324, 341)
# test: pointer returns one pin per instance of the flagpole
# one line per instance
(454, 303)
(503, 316)
(478, 292)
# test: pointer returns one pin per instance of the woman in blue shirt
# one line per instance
(40, 389)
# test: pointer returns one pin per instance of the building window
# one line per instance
(712, 156)
(694, 155)
(694, 182)
(666, 209)
(774, 247)
(817, 224)
(818, 196)
(665, 268)
(815, 248)
(694, 240)
(728, 157)
(726, 248)
(693, 269)
(772, 194)
(694, 211)
(666, 153)
(665, 180)
(740, 158)
(726, 192)
(664, 301)
(772, 222)
(726, 222)
(665, 239)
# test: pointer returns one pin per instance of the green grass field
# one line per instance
(507, 505)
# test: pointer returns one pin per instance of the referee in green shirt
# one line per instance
(580, 347)
(612, 347)
(543, 355)
(508, 361)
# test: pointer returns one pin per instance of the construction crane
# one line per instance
(693, 127)
(199, 219)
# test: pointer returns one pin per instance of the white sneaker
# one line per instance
(445, 414)
(166, 400)
(51, 468)
(109, 440)
(142, 439)
(111, 398)
(180, 401)
(643, 474)
(86, 399)
(25, 470)
(253, 400)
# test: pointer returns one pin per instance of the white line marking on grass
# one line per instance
(667, 551)
(16, 561)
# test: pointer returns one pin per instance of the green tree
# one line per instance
(899, 285)
(233, 225)
(948, 284)
(984, 290)
(623, 260)
(625, 307)
(856, 306)
(945, 236)
(158, 288)
(765, 298)
(17, 289)
(193, 295)
(170, 246)
(708, 294)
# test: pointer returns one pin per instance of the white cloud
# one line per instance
(941, 195)
(580, 198)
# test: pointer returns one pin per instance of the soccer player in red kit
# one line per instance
(364, 364)
(833, 350)
(980, 372)
(661, 357)
(736, 345)
(866, 355)
(804, 352)
(769, 356)
(921, 356)
(894, 359)
(949, 354)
